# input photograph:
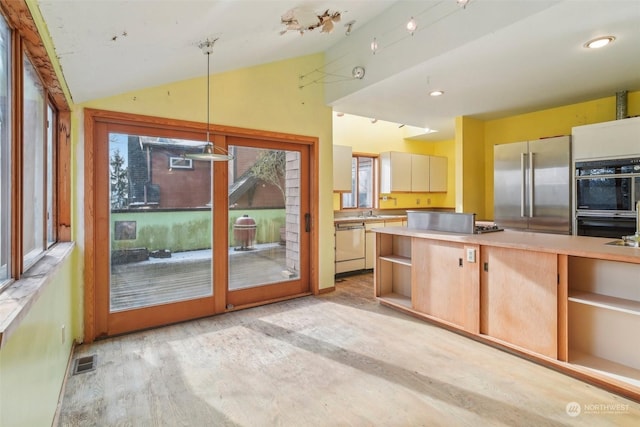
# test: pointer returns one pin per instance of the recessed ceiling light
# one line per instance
(599, 42)
(436, 93)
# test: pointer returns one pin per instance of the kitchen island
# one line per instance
(569, 302)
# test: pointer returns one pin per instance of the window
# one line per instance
(34, 197)
(5, 154)
(362, 183)
(180, 163)
(51, 218)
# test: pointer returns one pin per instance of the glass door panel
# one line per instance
(264, 245)
(268, 201)
(160, 221)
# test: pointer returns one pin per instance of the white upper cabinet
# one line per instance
(618, 138)
(417, 173)
(437, 174)
(420, 173)
(395, 172)
(342, 167)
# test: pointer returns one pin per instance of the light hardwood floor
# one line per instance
(339, 359)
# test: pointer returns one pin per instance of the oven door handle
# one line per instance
(342, 227)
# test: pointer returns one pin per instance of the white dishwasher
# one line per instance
(350, 247)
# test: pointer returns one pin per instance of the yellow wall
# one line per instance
(470, 168)
(366, 137)
(545, 123)
(265, 97)
(34, 358)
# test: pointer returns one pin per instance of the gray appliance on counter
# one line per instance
(532, 185)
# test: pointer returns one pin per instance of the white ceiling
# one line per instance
(492, 58)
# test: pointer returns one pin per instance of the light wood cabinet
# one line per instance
(519, 298)
(578, 311)
(438, 174)
(342, 168)
(444, 282)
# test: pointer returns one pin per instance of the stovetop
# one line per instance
(479, 229)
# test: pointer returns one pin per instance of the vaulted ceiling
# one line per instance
(491, 58)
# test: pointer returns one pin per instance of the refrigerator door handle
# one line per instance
(531, 184)
(522, 184)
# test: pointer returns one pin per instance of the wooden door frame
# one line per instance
(93, 117)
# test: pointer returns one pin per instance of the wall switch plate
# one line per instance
(471, 255)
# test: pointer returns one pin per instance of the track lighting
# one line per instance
(349, 26)
(374, 46)
(411, 26)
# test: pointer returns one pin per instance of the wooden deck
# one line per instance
(187, 275)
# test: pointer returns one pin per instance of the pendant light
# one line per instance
(210, 151)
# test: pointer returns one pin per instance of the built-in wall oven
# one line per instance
(606, 192)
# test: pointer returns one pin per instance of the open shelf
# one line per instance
(397, 299)
(605, 367)
(397, 259)
(606, 302)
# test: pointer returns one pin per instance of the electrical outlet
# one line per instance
(428, 201)
(471, 255)
(417, 201)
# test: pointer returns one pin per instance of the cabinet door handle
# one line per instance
(459, 262)
(486, 266)
(307, 222)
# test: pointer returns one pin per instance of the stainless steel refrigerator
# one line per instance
(532, 185)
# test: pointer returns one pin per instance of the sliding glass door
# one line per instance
(174, 238)
(269, 221)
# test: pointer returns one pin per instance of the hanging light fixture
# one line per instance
(210, 151)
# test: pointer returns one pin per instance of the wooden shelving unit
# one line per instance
(604, 317)
(397, 259)
(607, 302)
(393, 272)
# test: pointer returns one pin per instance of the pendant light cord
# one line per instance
(210, 152)
(208, 93)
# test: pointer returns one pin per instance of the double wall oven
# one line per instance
(606, 192)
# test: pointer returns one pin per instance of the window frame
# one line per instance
(175, 162)
(26, 44)
(28, 205)
(356, 180)
(6, 161)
